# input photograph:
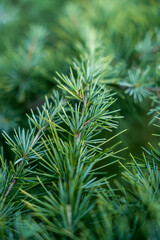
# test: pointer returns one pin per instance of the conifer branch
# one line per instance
(24, 157)
(63, 158)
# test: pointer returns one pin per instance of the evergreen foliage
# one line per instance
(57, 183)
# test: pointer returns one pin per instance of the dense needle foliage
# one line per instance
(81, 71)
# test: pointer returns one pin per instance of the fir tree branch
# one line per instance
(24, 156)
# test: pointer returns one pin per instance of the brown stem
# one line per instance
(14, 179)
(85, 103)
(78, 135)
(155, 49)
(10, 187)
(36, 137)
(150, 89)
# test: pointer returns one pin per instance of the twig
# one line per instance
(154, 90)
(78, 135)
(14, 179)
(150, 89)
